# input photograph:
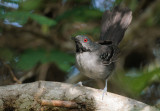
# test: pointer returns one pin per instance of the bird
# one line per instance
(96, 60)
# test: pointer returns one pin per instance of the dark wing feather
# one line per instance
(108, 54)
(104, 42)
(114, 24)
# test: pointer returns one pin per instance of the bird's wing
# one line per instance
(114, 24)
(108, 54)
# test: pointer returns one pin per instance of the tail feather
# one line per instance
(114, 24)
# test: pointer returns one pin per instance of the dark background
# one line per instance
(35, 43)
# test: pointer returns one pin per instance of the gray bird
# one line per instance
(96, 60)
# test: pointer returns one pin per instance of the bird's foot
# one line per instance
(79, 84)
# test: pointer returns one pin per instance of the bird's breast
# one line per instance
(90, 65)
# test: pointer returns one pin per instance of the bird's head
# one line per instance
(83, 43)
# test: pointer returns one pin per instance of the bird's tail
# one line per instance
(114, 24)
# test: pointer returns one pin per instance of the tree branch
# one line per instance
(44, 95)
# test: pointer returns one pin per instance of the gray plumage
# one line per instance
(96, 59)
(93, 59)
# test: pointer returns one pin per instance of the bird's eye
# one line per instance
(85, 40)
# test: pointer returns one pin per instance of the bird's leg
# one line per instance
(105, 89)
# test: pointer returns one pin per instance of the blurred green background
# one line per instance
(35, 43)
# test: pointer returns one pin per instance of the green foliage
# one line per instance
(13, 1)
(80, 14)
(117, 2)
(30, 5)
(1, 11)
(6, 54)
(156, 15)
(150, 21)
(154, 18)
(43, 20)
(26, 5)
(22, 16)
(135, 84)
(31, 57)
(133, 4)
(16, 16)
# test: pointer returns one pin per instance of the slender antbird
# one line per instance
(97, 59)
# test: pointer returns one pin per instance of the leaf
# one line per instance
(31, 57)
(29, 5)
(22, 16)
(43, 20)
(16, 16)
